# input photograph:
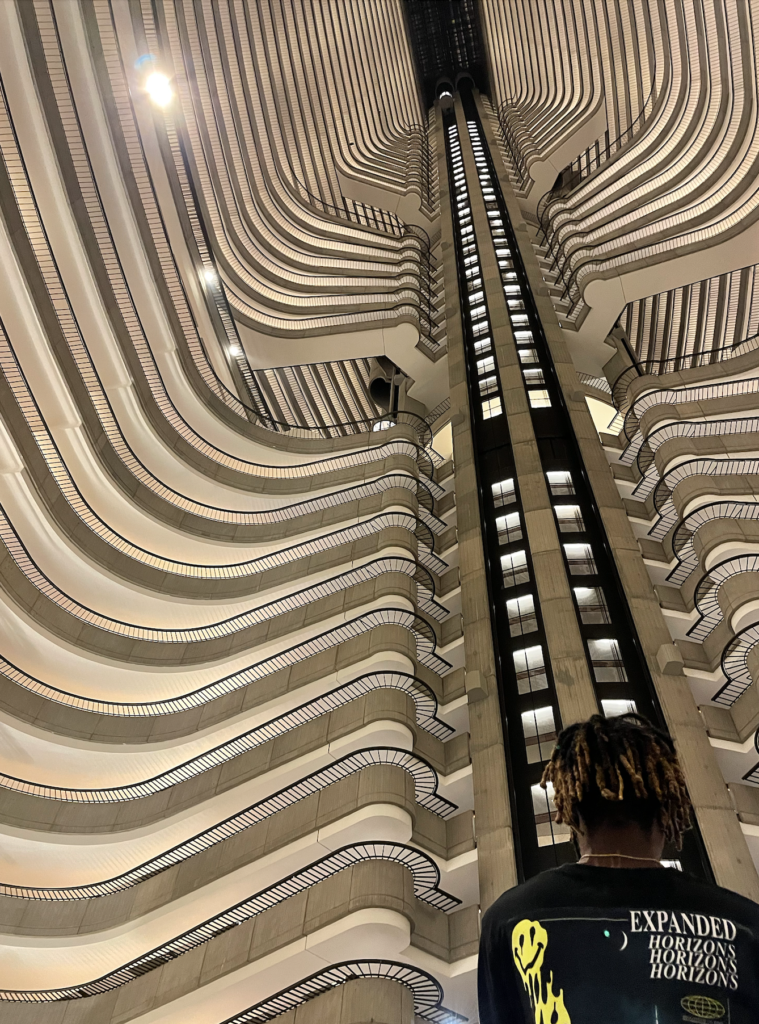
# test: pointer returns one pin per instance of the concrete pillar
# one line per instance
(566, 650)
(493, 827)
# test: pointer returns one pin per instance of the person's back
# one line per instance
(616, 938)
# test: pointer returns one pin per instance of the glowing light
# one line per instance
(210, 276)
(383, 425)
(234, 350)
(159, 89)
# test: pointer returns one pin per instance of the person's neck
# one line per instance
(621, 846)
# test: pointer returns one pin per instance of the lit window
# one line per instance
(544, 809)
(504, 493)
(514, 569)
(540, 399)
(530, 669)
(480, 328)
(515, 305)
(528, 355)
(560, 483)
(580, 559)
(488, 385)
(509, 528)
(522, 617)
(592, 605)
(482, 345)
(569, 518)
(520, 319)
(491, 407)
(533, 377)
(615, 708)
(539, 728)
(477, 310)
(606, 659)
(486, 365)
(523, 337)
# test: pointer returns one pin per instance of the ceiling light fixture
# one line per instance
(159, 89)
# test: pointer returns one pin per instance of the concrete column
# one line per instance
(566, 651)
(720, 828)
(493, 828)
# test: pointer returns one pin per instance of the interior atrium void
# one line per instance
(379, 395)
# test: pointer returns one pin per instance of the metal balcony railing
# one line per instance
(428, 994)
(425, 705)
(420, 866)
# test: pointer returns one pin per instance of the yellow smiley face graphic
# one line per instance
(529, 941)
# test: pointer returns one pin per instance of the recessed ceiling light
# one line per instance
(159, 89)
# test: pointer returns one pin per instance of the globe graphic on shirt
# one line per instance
(703, 1007)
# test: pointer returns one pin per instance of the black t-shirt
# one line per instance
(588, 945)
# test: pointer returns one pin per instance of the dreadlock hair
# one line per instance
(618, 769)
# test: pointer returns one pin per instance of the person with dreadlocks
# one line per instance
(617, 938)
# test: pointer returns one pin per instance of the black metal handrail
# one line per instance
(424, 869)
(428, 995)
(602, 154)
(686, 529)
(423, 633)
(91, 197)
(707, 590)
(425, 708)
(371, 570)
(675, 395)
(681, 429)
(734, 664)
(704, 466)
(85, 513)
(420, 866)
(381, 223)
